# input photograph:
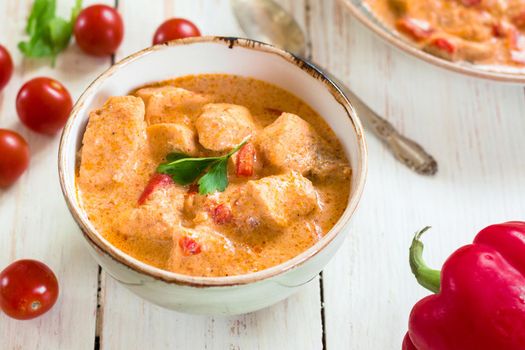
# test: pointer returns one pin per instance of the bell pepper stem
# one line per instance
(426, 277)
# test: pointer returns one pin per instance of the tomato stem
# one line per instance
(426, 277)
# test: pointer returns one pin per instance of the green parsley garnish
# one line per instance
(48, 34)
(184, 170)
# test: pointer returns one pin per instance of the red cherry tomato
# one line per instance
(99, 30)
(6, 67)
(175, 28)
(14, 157)
(28, 288)
(43, 105)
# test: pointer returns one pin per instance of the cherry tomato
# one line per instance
(99, 30)
(14, 157)
(43, 105)
(175, 28)
(28, 288)
(6, 67)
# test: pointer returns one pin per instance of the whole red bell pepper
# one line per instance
(480, 294)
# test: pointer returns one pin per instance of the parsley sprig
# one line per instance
(48, 34)
(184, 170)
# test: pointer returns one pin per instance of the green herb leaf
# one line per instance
(185, 170)
(176, 156)
(59, 34)
(41, 12)
(48, 34)
(35, 48)
(75, 11)
(216, 179)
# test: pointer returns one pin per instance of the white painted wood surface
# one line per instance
(34, 220)
(474, 128)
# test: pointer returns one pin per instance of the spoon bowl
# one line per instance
(267, 21)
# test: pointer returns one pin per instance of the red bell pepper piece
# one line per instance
(503, 29)
(444, 45)
(417, 29)
(480, 300)
(222, 214)
(407, 343)
(245, 160)
(189, 246)
(157, 180)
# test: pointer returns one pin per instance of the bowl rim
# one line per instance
(398, 42)
(96, 239)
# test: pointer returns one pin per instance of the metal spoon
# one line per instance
(266, 21)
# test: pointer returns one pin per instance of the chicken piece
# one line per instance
(516, 13)
(496, 7)
(274, 201)
(146, 93)
(290, 143)
(114, 136)
(222, 126)
(165, 138)
(476, 52)
(463, 22)
(170, 104)
(157, 218)
(201, 250)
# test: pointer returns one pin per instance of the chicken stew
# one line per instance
(286, 178)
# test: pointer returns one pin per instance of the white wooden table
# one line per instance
(474, 128)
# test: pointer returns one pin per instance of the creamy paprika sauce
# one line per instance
(488, 32)
(288, 185)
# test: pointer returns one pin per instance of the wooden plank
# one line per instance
(131, 323)
(475, 130)
(34, 220)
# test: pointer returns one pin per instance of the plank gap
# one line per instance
(99, 312)
(323, 323)
(307, 23)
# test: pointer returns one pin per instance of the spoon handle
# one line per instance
(404, 149)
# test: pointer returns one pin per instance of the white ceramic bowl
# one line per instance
(215, 295)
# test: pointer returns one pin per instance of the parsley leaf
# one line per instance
(176, 156)
(185, 170)
(48, 34)
(216, 179)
